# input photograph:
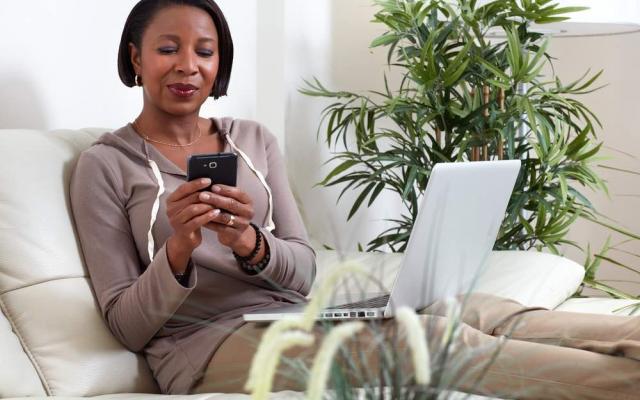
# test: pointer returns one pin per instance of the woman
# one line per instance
(173, 274)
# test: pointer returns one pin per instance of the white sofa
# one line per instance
(53, 341)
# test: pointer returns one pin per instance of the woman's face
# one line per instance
(179, 47)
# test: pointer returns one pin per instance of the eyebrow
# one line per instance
(177, 38)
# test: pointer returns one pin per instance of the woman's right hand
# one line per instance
(187, 214)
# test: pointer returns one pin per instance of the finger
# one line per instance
(223, 219)
(233, 192)
(229, 204)
(178, 206)
(229, 220)
(188, 188)
(232, 221)
(221, 229)
(193, 211)
(214, 226)
(200, 221)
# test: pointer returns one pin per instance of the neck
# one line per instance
(173, 129)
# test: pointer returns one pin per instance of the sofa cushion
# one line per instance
(532, 278)
(381, 268)
(43, 283)
(601, 305)
(71, 345)
(21, 378)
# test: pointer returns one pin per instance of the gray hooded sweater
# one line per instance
(118, 197)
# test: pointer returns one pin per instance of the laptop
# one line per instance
(454, 232)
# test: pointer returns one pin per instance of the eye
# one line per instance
(166, 50)
(205, 53)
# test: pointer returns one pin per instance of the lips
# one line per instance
(182, 89)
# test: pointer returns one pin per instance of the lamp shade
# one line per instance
(603, 18)
(605, 11)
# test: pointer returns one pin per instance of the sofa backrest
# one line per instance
(51, 330)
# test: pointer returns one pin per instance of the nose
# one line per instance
(187, 62)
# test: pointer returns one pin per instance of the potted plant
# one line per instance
(467, 96)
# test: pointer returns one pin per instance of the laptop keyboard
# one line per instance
(375, 302)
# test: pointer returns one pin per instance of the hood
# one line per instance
(127, 140)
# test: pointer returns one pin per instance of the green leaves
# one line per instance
(385, 40)
(463, 90)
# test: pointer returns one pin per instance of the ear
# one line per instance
(134, 54)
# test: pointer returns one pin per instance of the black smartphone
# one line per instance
(221, 168)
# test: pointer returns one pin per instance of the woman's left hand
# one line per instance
(232, 223)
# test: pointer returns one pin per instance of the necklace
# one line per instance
(135, 125)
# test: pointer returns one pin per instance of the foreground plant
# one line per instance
(408, 373)
(464, 96)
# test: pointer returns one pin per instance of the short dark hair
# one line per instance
(138, 21)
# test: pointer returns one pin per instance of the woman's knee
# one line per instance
(481, 311)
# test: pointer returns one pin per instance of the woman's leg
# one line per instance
(228, 370)
(617, 337)
(479, 363)
(229, 367)
(529, 370)
(606, 334)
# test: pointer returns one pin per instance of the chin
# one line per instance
(172, 107)
(186, 108)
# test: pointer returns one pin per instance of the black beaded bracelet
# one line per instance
(256, 248)
(244, 261)
(256, 268)
(183, 278)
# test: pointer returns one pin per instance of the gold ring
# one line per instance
(231, 219)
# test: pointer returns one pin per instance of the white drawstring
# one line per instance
(156, 206)
(270, 224)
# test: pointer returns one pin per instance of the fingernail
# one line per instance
(216, 189)
(205, 181)
(205, 196)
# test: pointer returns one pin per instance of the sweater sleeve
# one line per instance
(134, 304)
(293, 263)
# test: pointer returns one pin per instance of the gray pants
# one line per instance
(545, 355)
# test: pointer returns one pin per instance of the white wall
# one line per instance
(270, 66)
(617, 105)
(329, 39)
(58, 65)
